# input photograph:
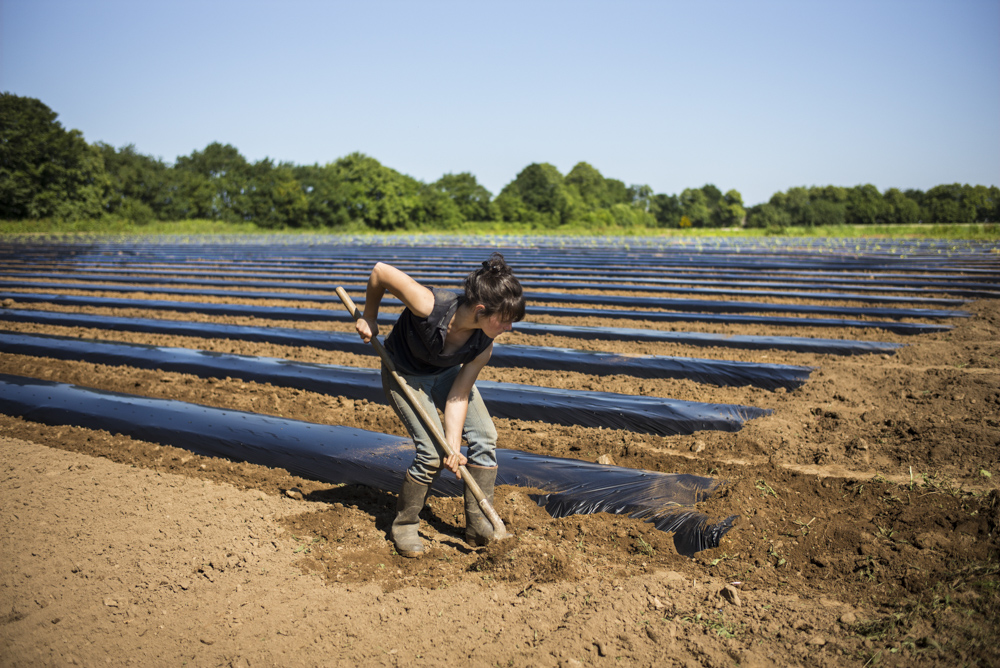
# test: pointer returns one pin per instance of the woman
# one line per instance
(439, 344)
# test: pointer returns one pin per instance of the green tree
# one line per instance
(537, 194)
(712, 195)
(822, 212)
(474, 201)
(45, 170)
(958, 203)
(666, 209)
(323, 202)
(729, 211)
(220, 184)
(274, 197)
(138, 185)
(835, 194)
(641, 197)
(598, 201)
(946, 204)
(795, 202)
(626, 215)
(916, 195)
(866, 206)
(436, 209)
(188, 195)
(987, 203)
(617, 192)
(589, 185)
(900, 209)
(769, 217)
(695, 205)
(368, 192)
(217, 182)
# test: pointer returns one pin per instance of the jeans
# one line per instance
(432, 393)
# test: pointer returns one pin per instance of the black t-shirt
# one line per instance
(415, 344)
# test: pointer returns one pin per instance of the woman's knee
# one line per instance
(425, 469)
(479, 427)
(486, 433)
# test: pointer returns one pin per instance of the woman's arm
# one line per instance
(457, 407)
(384, 277)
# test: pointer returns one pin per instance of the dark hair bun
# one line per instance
(497, 266)
(495, 287)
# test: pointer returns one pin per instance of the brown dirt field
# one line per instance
(867, 528)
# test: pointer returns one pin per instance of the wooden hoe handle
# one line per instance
(499, 530)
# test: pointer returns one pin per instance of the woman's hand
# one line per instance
(452, 462)
(366, 329)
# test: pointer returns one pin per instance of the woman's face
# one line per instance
(493, 326)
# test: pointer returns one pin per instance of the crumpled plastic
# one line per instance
(345, 455)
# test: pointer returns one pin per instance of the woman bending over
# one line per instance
(439, 344)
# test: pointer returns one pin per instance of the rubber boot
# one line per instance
(478, 528)
(405, 532)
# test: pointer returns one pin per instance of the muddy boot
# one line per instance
(405, 528)
(478, 529)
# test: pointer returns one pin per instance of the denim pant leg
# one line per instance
(480, 432)
(427, 460)
(432, 393)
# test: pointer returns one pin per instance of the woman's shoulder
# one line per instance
(444, 296)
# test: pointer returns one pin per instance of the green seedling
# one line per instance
(856, 490)
(885, 532)
(772, 552)
(804, 526)
(875, 658)
(867, 569)
(644, 547)
(765, 489)
(719, 625)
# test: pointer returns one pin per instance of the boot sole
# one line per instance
(409, 554)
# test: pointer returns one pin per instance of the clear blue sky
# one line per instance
(756, 96)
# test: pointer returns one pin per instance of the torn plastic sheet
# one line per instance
(650, 415)
(345, 455)
(318, 314)
(580, 487)
(680, 305)
(717, 372)
(300, 282)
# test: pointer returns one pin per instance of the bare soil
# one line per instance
(866, 532)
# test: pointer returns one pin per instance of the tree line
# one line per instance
(48, 172)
